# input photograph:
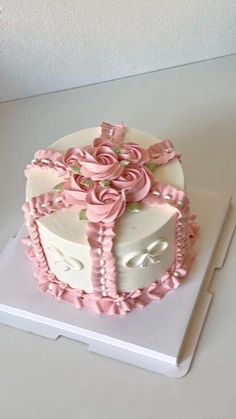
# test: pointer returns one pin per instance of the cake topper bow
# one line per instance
(149, 255)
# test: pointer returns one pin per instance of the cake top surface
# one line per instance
(130, 168)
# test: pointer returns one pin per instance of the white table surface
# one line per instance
(194, 105)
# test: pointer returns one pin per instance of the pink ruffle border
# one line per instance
(114, 303)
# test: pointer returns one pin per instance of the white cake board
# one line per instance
(162, 337)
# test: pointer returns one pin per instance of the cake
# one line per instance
(109, 222)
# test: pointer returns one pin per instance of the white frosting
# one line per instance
(135, 232)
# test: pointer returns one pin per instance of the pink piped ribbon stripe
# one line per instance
(100, 238)
(114, 133)
(162, 152)
(105, 297)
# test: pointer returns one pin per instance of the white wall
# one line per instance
(49, 45)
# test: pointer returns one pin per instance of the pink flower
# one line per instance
(105, 204)
(134, 153)
(76, 189)
(71, 158)
(136, 181)
(100, 163)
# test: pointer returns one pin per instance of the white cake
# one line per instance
(148, 234)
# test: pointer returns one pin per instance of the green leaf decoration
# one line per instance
(75, 169)
(125, 163)
(87, 182)
(59, 187)
(151, 165)
(105, 183)
(116, 149)
(134, 207)
(82, 215)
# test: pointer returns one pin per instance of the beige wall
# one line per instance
(50, 45)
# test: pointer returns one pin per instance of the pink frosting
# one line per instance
(122, 303)
(136, 181)
(114, 133)
(105, 204)
(100, 163)
(134, 153)
(163, 152)
(100, 238)
(75, 190)
(47, 160)
(71, 158)
(104, 207)
(162, 192)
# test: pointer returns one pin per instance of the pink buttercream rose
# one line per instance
(105, 204)
(134, 153)
(71, 157)
(137, 181)
(76, 189)
(100, 163)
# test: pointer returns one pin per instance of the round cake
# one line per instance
(108, 219)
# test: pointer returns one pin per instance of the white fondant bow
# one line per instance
(149, 255)
(68, 261)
